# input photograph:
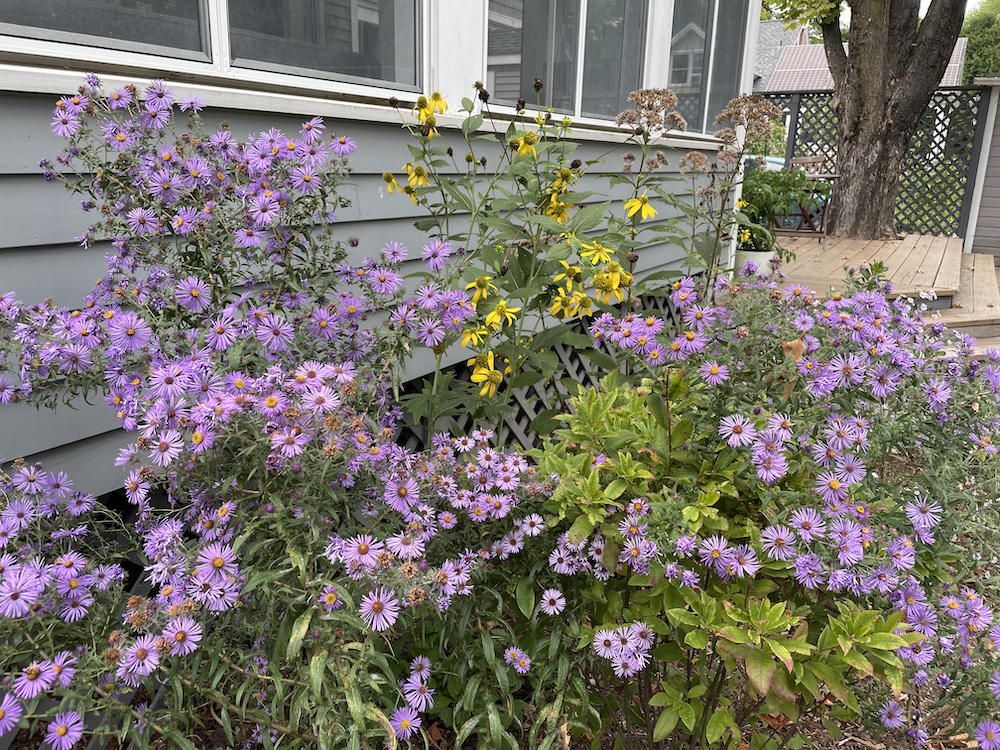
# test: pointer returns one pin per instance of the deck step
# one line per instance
(976, 306)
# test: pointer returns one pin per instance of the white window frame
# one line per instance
(219, 70)
(452, 46)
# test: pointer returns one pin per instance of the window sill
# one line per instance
(228, 93)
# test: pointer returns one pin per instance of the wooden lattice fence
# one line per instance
(935, 190)
(534, 400)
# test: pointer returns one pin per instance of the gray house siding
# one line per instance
(987, 237)
(39, 258)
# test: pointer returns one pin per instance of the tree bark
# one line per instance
(882, 85)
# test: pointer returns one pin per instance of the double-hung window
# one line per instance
(590, 54)
(372, 42)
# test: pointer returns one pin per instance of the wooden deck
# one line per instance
(967, 284)
(915, 263)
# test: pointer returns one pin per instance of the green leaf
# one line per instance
(686, 712)
(697, 639)
(735, 634)
(471, 124)
(588, 217)
(581, 529)
(832, 727)
(467, 729)
(524, 379)
(661, 699)
(833, 680)
(717, 725)
(299, 630)
(782, 653)
(760, 670)
(665, 724)
(525, 594)
(683, 616)
(316, 669)
(614, 490)
(885, 641)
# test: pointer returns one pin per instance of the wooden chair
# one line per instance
(811, 165)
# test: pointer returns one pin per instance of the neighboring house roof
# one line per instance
(771, 40)
(804, 68)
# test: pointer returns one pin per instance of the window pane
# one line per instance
(690, 36)
(131, 25)
(612, 65)
(728, 62)
(534, 39)
(364, 39)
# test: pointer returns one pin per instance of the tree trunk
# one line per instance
(882, 85)
(869, 164)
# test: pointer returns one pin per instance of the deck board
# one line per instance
(913, 263)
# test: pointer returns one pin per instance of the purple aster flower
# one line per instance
(194, 294)
(988, 735)
(405, 721)
(892, 715)
(129, 332)
(141, 658)
(435, 254)
(715, 551)
(19, 589)
(64, 124)
(778, 542)
(64, 665)
(714, 373)
(141, 221)
(216, 563)
(192, 102)
(809, 571)
(249, 237)
(744, 561)
(553, 601)
(737, 430)
(330, 598)
(305, 180)
(34, 680)
(275, 333)
(183, 635)
(166, 447)
(169, 381)
(394, 252)
(158, 96)
(64, 731)
(923, 514)
(380, 609)
(184, 220)
(264, 210)
(430, 332)
(605, 643)
(119, 98)
(10, 713)
(994, 687)
(808, 524)
(770, 466)
(343, 146)
(830, 487)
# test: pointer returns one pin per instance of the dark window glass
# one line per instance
(529, 40)
(363, 39)
(728, 63)
(174, 27)
(612, 63)
(689, 45)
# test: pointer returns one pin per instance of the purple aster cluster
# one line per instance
(627, 647)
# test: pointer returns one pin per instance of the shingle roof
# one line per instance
(772, 38)
(803, 67)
